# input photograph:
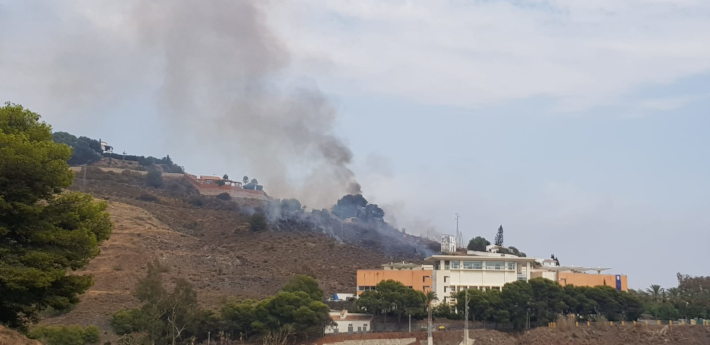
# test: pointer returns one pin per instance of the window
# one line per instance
(446, 265)
(445, 289)
(497, 288)
(446, 278)
(511, 266)
(494, 265)
(455, 265)
(365, 288)
(472, 265)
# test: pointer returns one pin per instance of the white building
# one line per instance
(448, 244)
(349, 322)
(477, 270)
(342, 296)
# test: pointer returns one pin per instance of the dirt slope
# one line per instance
(210, 245)
(10, 337)
(626, 335)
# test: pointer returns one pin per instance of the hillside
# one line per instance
(10, 337)
(210, 245)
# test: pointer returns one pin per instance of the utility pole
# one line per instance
(410, 323)
(208, 338)
(465, 327)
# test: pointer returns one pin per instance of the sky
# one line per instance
(581, 127)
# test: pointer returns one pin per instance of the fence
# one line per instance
(691, 322)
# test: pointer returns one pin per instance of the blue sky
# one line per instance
(581, 127)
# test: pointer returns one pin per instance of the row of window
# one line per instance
(372, 288)
(479, 265)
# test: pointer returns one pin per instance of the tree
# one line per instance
(254, 181)
(548, 298)
(225, 177)
(499, 236)
(154, 178)
(516, 299)
(655, 291)
(245, 179)
(349, 206)
(43, 232)
(478, 244)
(372, 212)
(224, 196)
(239, 317)
(306, 284)
(257, 222)
(84, 150)
(165, 316)
(66, 335)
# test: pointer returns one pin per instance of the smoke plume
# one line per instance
(222, 84)
(214, 72)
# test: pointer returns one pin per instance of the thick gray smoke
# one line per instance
(213, 70)
(221, 84)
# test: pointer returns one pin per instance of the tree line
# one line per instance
(174, 317)
(535, 302)
(689, 300)
(86, 151)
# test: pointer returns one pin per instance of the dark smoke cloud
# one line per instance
(222, 77)
(216, 73)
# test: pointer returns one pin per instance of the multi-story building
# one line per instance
(417, 277)
(476, 270)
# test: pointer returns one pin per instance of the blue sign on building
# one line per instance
(618, 282)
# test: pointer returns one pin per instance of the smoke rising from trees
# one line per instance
(221, 76)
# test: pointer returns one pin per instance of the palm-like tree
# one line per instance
(655, 291)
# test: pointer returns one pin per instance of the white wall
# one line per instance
(342, 326)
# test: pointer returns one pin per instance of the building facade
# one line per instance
(417, 277)
(349, 323)
(477, 270)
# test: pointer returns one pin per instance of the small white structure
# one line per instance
(493, 248)
(349, 323)
(105, 147)
(342, 296)
(448, 244)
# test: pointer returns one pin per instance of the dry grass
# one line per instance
(565, 322)
(10, 337)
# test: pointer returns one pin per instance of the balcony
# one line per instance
(522, 277)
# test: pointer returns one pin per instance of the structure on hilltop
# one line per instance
(213, 185)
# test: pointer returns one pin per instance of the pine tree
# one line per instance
(499, 236)
(45, 233)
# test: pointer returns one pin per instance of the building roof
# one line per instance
(574, 268)
(434, 258)
(203, 177)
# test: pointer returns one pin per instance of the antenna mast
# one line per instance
(459, 238)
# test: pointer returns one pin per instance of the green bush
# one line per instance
(257, 222)
(66, 335)
(154, 178)
(124, 321)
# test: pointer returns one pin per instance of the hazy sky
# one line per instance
(580, 126)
